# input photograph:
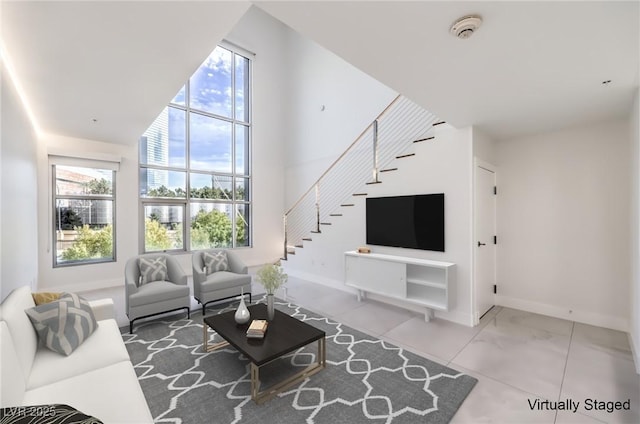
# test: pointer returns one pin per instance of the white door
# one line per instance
(484, 246)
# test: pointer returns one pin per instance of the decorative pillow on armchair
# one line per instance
(153, 269)
(214, 262)
(63, 325)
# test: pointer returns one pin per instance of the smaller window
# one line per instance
(163, 227)
(84, 221)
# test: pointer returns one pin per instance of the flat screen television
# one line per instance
(413, 222)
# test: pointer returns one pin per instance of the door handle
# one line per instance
(481, 244)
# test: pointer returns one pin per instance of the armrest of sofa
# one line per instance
(103, 309)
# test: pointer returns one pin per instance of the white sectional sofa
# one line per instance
(97, 379)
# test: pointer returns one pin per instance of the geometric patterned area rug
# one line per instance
(366, 379)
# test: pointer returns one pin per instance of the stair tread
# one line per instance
(405, 156)
(307, 239)
(423, 139)
(438, 123)
(335, 214)
(325, 223)
(374, 182)
(388, 169)
(359, 194)
(347, 204)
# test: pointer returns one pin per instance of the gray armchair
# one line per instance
(166, 292)
(219, 285)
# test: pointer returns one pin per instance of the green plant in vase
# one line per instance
(272, 277)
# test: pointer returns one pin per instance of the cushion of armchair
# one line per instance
(223, 280)
(157, 291)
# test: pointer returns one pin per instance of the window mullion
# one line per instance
(186, 233)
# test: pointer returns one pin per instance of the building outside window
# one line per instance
(195, 174)
(84, 219)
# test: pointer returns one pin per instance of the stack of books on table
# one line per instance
(257, 329)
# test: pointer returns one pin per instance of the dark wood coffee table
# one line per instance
(284, 335)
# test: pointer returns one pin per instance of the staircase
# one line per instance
(390, 136)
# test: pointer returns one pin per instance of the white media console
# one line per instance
(418, 281)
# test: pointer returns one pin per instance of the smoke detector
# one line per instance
(466, 26)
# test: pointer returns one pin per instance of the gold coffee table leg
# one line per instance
(205, 344)
(260, 397)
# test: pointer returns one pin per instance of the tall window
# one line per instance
(84, 215)
(195, 175)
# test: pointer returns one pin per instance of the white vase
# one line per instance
(242, 313)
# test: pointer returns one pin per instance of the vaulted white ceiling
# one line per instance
(117, 62)
(531, 67)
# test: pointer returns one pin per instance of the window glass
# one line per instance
(163, 227)
(162, 183)
(211, 225)
(71, 180)
(164, 142)
(83, 215)
(242, 188)
(210, 88)
(195, 174)
(210, 143)
(241, 88)
(211, 186)
(242, 224)
(242, 150)
(179, 99)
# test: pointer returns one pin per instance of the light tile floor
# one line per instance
(516, 356)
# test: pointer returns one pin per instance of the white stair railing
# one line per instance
(395, 129)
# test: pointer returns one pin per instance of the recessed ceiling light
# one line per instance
(605, 82)
(94, 120)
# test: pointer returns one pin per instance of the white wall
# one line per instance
(484, 147)
(266, 37)
(635, 229)
(256, 32)
(443, 165)
(18, 199)
(563, 214)
(315, 138)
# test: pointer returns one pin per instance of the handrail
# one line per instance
(400, 124)
(342, 155)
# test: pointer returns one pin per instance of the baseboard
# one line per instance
(86, 286)
(581, 316)
(319, 279)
